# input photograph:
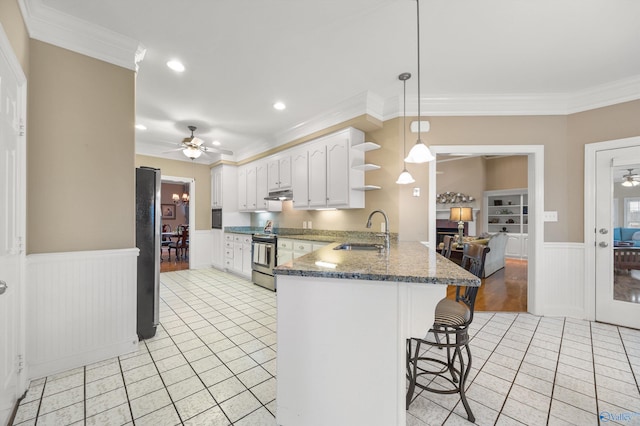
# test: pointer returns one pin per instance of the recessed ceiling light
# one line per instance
(141, 127)
(175, 65)
(279, 106)
(215, 143)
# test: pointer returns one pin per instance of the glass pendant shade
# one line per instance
(420, 153)
(192, 153)
(405, 178)
(630, 182)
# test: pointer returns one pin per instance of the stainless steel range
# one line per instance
(263, 260)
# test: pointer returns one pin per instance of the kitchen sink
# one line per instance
(360, 246)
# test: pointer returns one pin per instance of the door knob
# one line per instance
(603, 231)
(603, 244)
(3, 287)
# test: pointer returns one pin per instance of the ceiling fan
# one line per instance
(631, 179)
(193, 146)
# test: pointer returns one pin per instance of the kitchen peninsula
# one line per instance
(343, 320)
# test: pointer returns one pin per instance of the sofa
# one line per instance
(495, 258)
(626, 237)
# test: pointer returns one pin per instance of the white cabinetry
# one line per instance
(237, 256)
(242, 189)
(508, 211)
(289, 249)
(331, 178)
(279, 176)
(216, 187)
(251, 188)
(300, 178)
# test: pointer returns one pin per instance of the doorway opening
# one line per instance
(178, 221)
(532, 244)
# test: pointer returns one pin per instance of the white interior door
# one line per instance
(12, 215)
(617, 267)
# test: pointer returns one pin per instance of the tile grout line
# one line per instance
(555, 373)
(595, 382)
(628, 360)
(126, 391)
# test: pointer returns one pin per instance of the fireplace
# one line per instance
(446, 227)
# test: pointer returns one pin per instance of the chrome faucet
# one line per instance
(387, 242)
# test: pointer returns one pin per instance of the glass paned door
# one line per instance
(618, 236)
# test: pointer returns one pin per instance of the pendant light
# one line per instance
(420, 152)
(405, 177)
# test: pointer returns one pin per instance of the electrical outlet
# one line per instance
(309, 225)
(550, 216)
(304, 224)
(382, 228)
(416, 192)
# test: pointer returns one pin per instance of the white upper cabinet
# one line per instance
(262, 190)
(242, 188)
(327, 172)
(251, 188)
(300, 178)
(216, 187)
(279, 173)
(317, 175)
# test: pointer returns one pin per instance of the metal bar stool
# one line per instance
(450, 328)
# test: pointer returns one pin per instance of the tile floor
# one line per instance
(214, 357)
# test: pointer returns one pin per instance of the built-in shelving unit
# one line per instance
(508, 211)
(367, 188)
(367, 167)
(366, 146)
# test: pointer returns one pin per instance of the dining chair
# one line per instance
(451, 331)
(165, 240)
(181, 245)
(447, 244)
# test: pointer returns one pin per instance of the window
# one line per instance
(632, 212)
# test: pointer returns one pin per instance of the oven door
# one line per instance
(263, 256)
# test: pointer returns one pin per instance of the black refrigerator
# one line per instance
(148, 215)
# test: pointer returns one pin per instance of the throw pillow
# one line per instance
(636, 236)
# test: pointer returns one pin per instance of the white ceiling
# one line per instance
(316, 56)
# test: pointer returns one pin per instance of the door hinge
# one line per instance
(20, 363)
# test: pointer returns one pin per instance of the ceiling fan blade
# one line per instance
(173, 150)
(217, 150)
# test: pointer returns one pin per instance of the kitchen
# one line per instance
(107, 117)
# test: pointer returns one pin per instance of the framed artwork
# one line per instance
(168, 211)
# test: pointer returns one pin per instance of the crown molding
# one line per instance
(365, 103)
(60, 29)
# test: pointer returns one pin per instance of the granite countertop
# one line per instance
(405, 262)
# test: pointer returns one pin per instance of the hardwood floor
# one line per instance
(173, 264)
(504, 291)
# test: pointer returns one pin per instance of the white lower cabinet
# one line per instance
(289, 249)
(237, 253)
(517, 245)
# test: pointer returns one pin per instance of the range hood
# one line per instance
(280, 195)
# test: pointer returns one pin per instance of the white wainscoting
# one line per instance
(201, 249)
(80, 308)
(561, 289)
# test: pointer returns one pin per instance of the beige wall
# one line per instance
(183, 169)
(80, 152)
(13, 25)
(507, 172)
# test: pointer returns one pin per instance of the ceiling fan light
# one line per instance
(192, 153)
(627, 183)
(405, 178)
(420, 153)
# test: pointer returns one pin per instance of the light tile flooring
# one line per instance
(213, 362)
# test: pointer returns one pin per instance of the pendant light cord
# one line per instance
(418, 19)
(404, 122)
